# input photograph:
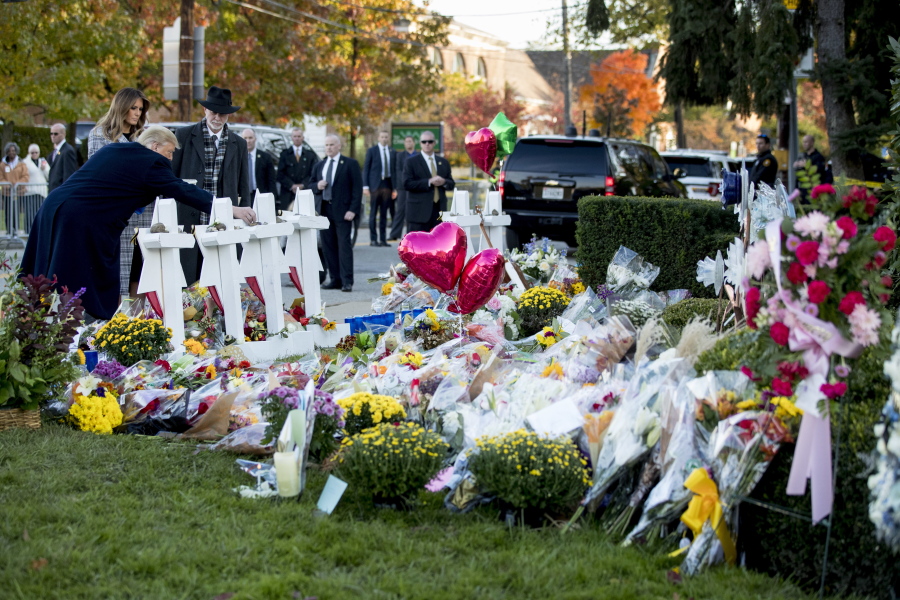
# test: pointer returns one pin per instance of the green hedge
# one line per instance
(792, 548)
(673, 234)
(24, 136)
(680, 313)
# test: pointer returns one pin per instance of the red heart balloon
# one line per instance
(479, 280)
(481, 146)
(437, 257)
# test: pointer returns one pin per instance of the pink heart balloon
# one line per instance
(481, 146)
(479, 280)
(437, 257)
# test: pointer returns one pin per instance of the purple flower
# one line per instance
(108, 369)
(792, 242)
(811, 309)
(842, 370)
(603, 292)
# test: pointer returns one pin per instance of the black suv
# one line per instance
(545, 176)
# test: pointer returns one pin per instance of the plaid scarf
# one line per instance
(212, 163)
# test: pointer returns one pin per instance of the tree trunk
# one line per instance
(186, 60)
(839, 117)
(680, 137)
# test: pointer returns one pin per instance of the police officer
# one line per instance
(765, 169)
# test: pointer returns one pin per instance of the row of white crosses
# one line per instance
(261, 266)
(495, 223)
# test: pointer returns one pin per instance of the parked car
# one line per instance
(545, 177)
(701, 171)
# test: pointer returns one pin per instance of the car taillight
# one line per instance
(500, 185)
(713, 189)
(610, 186)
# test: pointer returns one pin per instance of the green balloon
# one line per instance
(506, 133)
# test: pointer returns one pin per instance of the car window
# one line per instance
(272, 142)
(660, 170)
(630, 159)
(562, 157)
(692, 166)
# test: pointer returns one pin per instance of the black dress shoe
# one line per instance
(332, 285)
(375, 244)
(385, 245)
(347, 288)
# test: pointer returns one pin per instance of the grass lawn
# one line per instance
(85, 516)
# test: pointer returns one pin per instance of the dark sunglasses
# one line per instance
(426, 142)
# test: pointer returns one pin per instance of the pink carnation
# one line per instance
(751, 306)
(834, 390)
(818, 291)
(808, 252)
(886, 236)
(825, 188)
(847, 226)
(779, 333)
(849, 302)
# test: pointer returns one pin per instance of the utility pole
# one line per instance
(567, 92)
(186, 60)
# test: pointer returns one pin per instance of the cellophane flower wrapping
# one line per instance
(628, 273)
(884, 483)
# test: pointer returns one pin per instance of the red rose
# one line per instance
(796, 274)
(166, 366)
(887, 281)
(834, 390)
(792, 371)
(779, 333)
(849, 301)
(261, 318)
(825, 188)
(751, 306)
(304, 321)
(818, 291)
(782, 388)
(886, 236)
(848, 226)
(861, 194)
(808, 252)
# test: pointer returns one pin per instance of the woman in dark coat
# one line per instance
(75, 235)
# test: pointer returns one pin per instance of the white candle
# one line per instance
(287, 473)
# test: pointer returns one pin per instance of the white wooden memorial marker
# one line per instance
(302, 250)
(461, 214)
(162, 278)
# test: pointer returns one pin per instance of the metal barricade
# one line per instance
(8, 208)
(28, 197)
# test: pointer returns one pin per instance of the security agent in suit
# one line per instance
(295, 166)
(398, 220)
(765, 169)
(427, 179)
(202, 146)
(337, 182)
(378, 170)
(63, 159)
(261, 168)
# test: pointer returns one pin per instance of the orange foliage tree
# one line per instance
(621, 100)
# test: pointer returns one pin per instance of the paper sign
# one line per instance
(331, 494)
(440, 480)
(556, 419)
(272, 381)
(297, 419)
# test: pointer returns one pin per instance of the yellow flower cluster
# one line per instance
(784, 407)
(96, 414)
(396, 438)
(543, 298)
(434, 318)
(577, 288)
(195, 347)
(520, 447)
(329, 326)
(554, 370)
(386, 289)
(546, 337)
(81, 357)
(363, 410)
(129, 340)
(412, 358)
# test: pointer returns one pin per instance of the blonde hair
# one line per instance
(158, 135)
(112, 124)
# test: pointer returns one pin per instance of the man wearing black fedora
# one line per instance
(217, 159)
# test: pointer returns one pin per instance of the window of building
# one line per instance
(482, 68)
(459, 63)
(437, 59)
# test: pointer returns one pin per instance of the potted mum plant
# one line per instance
(37, 325)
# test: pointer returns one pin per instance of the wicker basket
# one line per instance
(17, 417)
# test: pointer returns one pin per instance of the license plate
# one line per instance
(550, 221)
(552, 193)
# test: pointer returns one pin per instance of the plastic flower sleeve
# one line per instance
(628, 273)
(585, 307)
(247, 440)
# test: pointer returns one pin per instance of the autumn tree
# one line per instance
(621, 100)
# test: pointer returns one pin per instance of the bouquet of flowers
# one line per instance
(433, 328)
(129, 340)
(329, 422)
(95, 408)
(363, 410)
(538, 259)
(637, 311)
(37, 326)
(500, 309)
(528, 471)
(392, 462)
(628, 273)
(108, 370)
(538, 307)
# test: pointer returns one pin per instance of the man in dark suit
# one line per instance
(63, 159)
(217, 159)
(427, 179)
(377, 185)
(294, 168)
(261, 167)
(398, 221)
(337, 184)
